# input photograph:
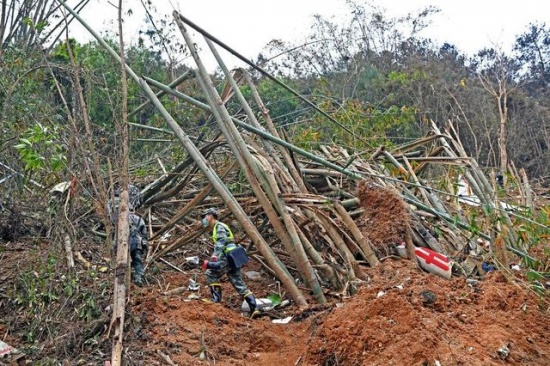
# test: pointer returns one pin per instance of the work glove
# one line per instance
(205, 263)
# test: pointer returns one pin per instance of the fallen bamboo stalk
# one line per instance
(162, 181)
(248, 110)
(414, 144)
(459, 161)
(189, 206)
(300, 257)
(527, 190)
(318, 261)
(398, 165)
(340, 244)
(171, 265)
(193, 233)
(364, 242)
(68, 251)
(180, 79)
(83, 260)
(423, 192)
(510, 236)
(257, 257)
(175, 291)
(271, 128)
(428, 238)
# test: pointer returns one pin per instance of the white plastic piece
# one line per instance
(402, 250)
(261, 304)
(60, 187)
(282, 321)
(283, 304)
(193, 285)
(434, 262)
(192, 260)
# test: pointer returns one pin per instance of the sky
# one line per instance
(248, 25)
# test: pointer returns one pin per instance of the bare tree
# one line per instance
(496, 76)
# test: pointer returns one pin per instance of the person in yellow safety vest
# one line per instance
(224, 261)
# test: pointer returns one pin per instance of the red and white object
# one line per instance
(434, 262)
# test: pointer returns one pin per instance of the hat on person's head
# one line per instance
(134, 197)
(211, 211)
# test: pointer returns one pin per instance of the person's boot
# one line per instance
(215, 293)
(251, 301)
(138, 280)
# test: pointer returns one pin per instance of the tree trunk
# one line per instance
(502, 99)
(121, 271)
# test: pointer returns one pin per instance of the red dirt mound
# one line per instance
(405, 317)
(385, 216)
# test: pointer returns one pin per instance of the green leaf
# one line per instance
(25, 141)
(487, 209)
(27, 21)
(534, 275)
(274, 298)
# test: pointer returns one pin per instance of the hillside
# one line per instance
(390, 321)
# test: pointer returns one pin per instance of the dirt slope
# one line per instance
(402, 317)
(184, 328)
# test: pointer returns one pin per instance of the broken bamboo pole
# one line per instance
(191, 204)
(68, 251)
(318, 260)
(428, 238)
(271, 128)
(305, 266)
(364, 242)
(157, 185)
(340, 245)
(397, 164)
(527, 190)
(433, 199)
(510, 237)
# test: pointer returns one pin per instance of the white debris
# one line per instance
(282, 321)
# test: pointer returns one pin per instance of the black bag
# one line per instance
(237, 257)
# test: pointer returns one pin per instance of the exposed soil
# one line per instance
(402, 317)
(385, 216)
